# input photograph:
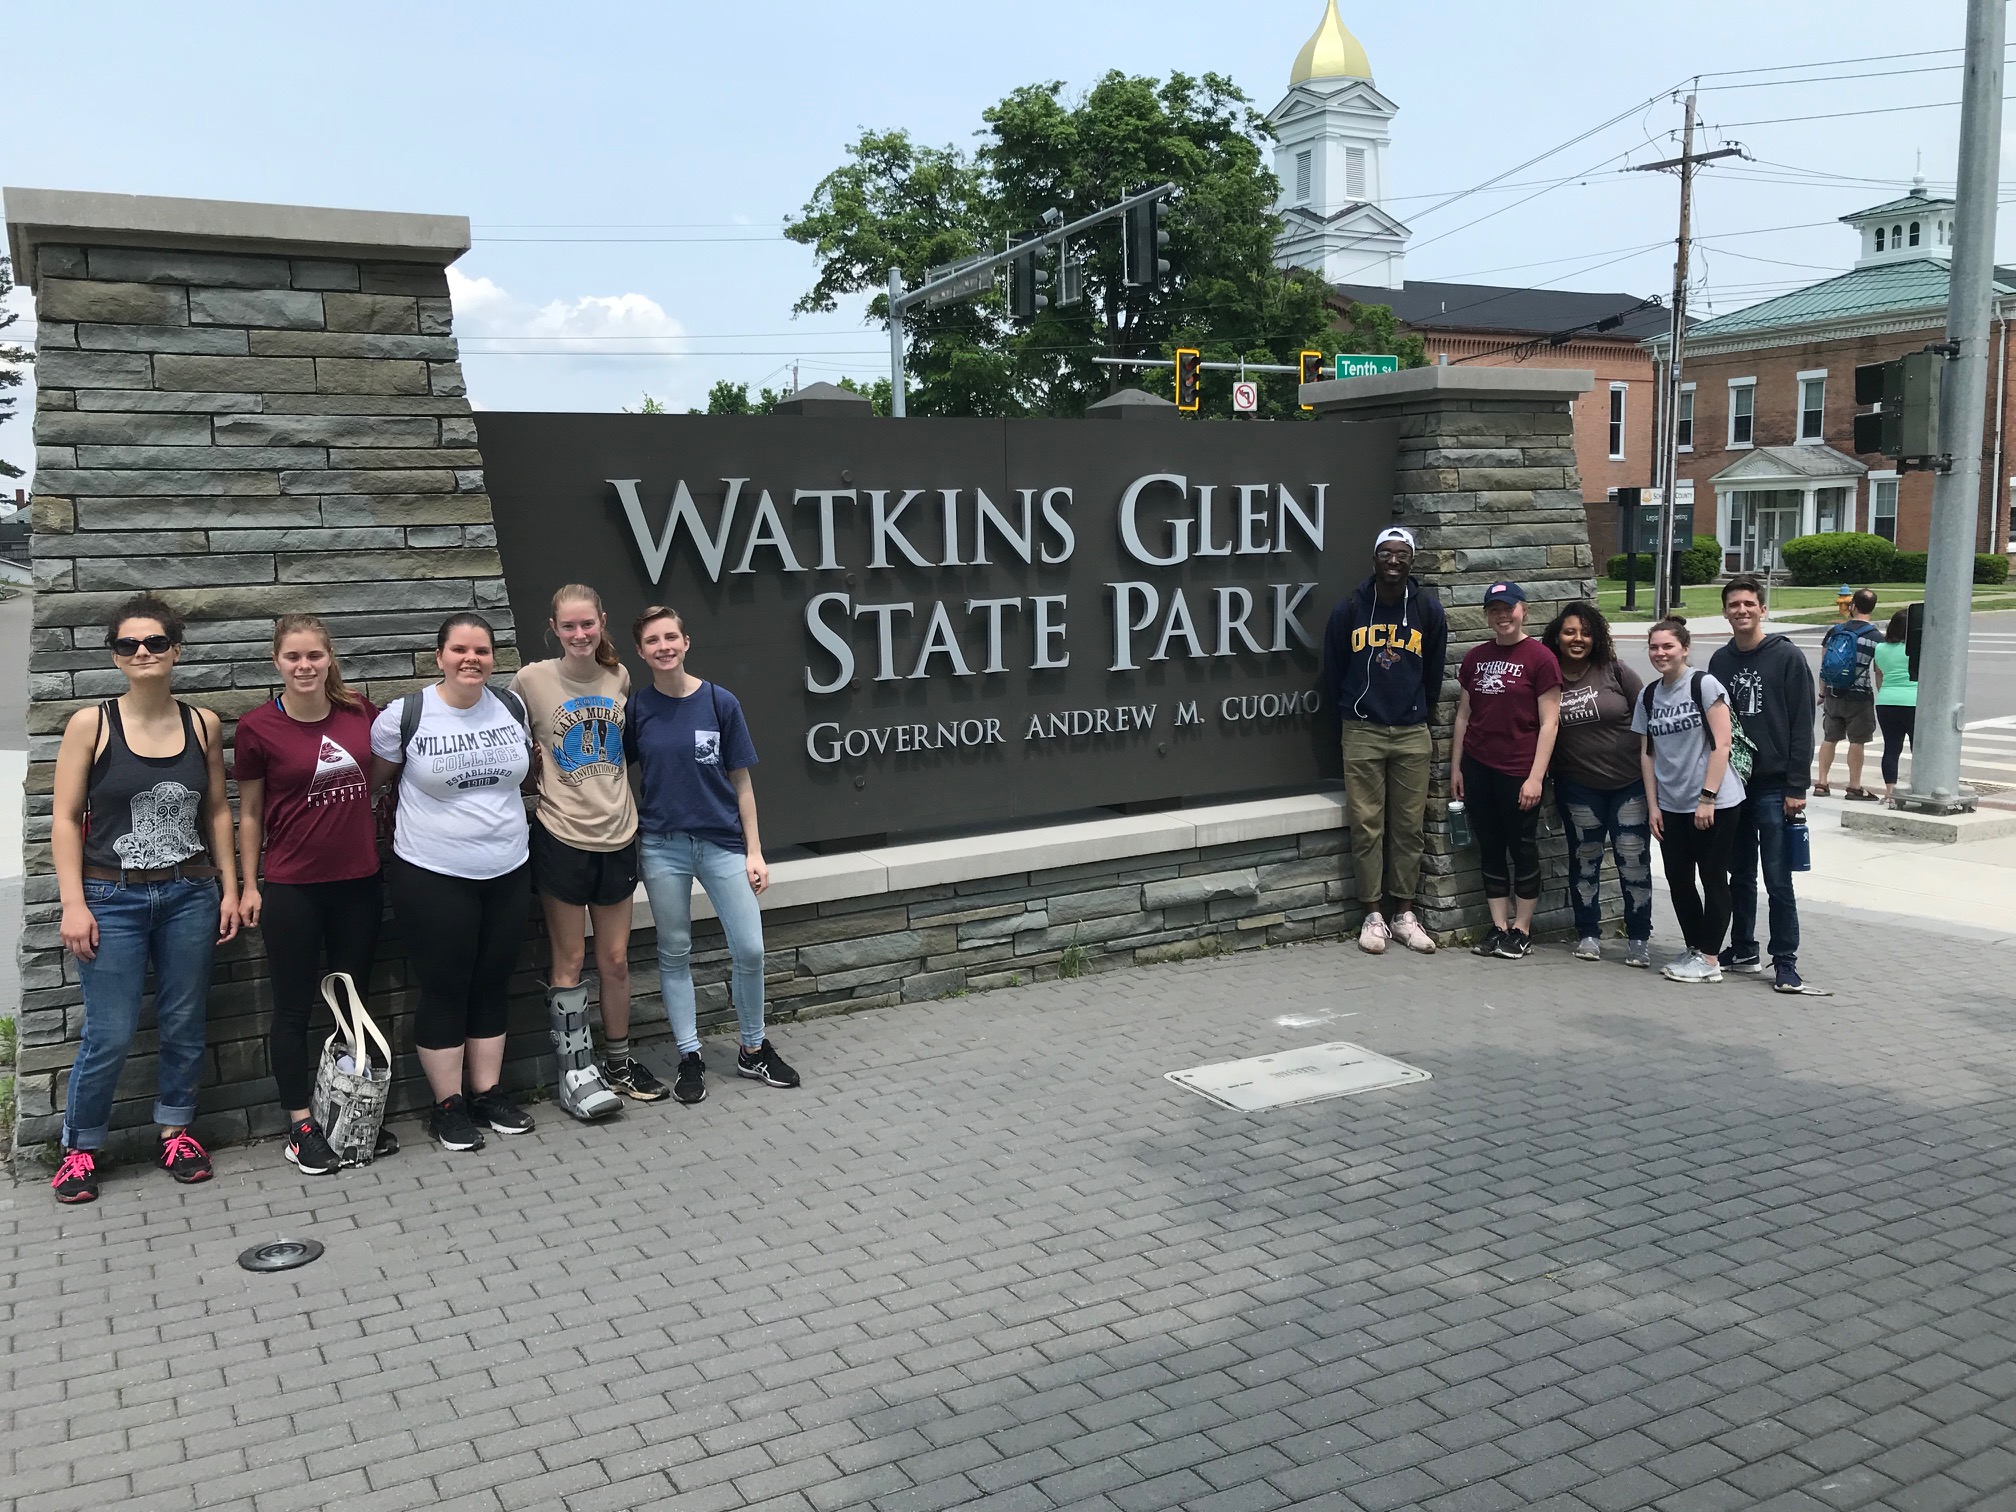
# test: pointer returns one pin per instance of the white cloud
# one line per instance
(594, 322)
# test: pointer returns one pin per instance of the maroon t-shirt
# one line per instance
(1505, 684)
(319, 825)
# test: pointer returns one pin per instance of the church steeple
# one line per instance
(1332, 53)
(1331, 136)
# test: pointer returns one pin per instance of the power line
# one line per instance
(1842, 115)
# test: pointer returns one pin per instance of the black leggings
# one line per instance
(1899, 723)
(462, 937)
(1508, 837)
(303, 924)
(1691, 853)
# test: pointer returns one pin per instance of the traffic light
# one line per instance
(1027, 279)
(1905, 424)
(1144, 241)
(1188, 360)
(1312, 370)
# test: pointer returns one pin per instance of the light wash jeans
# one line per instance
(669, 863)
(171, 925)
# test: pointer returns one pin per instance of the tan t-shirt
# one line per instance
(584, 793)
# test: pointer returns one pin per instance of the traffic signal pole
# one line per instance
(1935, 785)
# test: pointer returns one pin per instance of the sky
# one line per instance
(628, 167)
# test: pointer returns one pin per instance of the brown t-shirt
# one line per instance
(584, 792)
(1596, 746)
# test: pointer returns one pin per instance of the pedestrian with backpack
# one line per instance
(691, 746)
(1685, 720)
(460, 875)
(1847, 699)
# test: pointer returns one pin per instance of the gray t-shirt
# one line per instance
(1681, 743)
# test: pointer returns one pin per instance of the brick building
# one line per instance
(1768, 398)
(1478, 325)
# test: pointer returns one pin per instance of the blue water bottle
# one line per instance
(1798, 844)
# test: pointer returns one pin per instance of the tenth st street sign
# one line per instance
(1365, 364)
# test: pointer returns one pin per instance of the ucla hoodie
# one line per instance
(1383, 663)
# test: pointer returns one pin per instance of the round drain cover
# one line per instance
(283, 1255)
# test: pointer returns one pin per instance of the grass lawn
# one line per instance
(1801, 605)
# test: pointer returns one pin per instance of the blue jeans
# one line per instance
(669, 864)
(1760, 837)
(1621, 816)
(171, 925)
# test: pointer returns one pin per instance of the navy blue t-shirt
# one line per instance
(685, 748)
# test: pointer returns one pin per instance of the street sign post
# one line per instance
(1245, 398)
(1365, 364)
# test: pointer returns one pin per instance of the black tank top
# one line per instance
(143, 810)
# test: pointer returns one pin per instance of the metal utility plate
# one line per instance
(1296, 1076)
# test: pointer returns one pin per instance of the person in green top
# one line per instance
(1896, 701)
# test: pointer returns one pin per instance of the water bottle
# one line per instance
(1459, 824)
(1798, 844)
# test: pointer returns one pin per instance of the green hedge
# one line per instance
(1700, 563)
(1849, 556)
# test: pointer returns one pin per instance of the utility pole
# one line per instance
(1666, 444)
(1956, 491)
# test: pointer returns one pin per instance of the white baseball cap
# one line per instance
(1395, 533)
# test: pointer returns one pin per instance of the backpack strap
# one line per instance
(1703, 708)
(409, 721)
(1645, 704)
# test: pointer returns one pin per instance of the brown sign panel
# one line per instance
(940, 624)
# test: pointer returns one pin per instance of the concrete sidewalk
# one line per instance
(1636, 1245)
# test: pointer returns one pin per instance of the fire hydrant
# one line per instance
(1844, 597)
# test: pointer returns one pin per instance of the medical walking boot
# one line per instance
(578, 1084)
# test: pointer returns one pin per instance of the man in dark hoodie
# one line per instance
(1382, 669)
(1771, 688)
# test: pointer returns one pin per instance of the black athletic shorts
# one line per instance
(584, 877)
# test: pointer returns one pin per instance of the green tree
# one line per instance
(728, 398)
(13, 359)
(650, 406)
(1374, 328)
(895, 204)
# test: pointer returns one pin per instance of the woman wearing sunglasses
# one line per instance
(139, 799)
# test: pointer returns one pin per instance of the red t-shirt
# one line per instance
(1505, 684)
(319, 825)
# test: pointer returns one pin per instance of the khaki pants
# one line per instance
(1386, 797)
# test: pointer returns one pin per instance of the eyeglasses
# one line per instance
(129, 645)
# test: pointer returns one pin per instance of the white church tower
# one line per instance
(1331, 160)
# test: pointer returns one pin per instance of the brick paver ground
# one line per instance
(1635, 1245)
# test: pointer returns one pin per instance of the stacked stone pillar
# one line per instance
(251, 409)
(1486, 480)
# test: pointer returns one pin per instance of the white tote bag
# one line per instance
(354, 1078)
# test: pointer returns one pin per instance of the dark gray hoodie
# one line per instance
(1771, 690)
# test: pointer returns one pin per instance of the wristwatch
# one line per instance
(1708, 795)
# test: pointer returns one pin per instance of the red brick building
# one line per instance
(1768, 398)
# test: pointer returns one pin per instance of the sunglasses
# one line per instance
(129, 645)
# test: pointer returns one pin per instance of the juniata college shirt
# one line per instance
(686, 747)
(1505, 684)
(460, 811)
(319, 826)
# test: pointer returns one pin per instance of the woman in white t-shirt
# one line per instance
(1687, 726)
(460, 875)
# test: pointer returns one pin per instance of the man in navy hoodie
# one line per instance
(1382, 670)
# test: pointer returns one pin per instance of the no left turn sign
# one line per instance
(1245, 398)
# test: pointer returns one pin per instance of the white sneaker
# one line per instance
(1696, 968)
(1408, 931)
(1589, 948)
(1373, 934)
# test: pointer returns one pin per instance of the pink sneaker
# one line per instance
(1373, 934)
(1408, 931)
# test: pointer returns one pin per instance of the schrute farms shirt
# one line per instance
(584, 791)
(460, 811)
(1505, 684)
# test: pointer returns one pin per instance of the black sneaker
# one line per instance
(1514, 944)
(307, 1148)
(689, 1083)
(1730, 961)
(499, 1112)
(632, 1078)
(449, 1126)
(1785, 977)
(765, 1065)
(77, 1178)
(1488, 946)
(388, 1144)
(184, 1159)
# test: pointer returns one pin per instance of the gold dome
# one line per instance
(1333, 53)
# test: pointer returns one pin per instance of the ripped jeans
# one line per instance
(1622, 816)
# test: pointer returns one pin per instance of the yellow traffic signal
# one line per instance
(1312, 370)
(1187, 361)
